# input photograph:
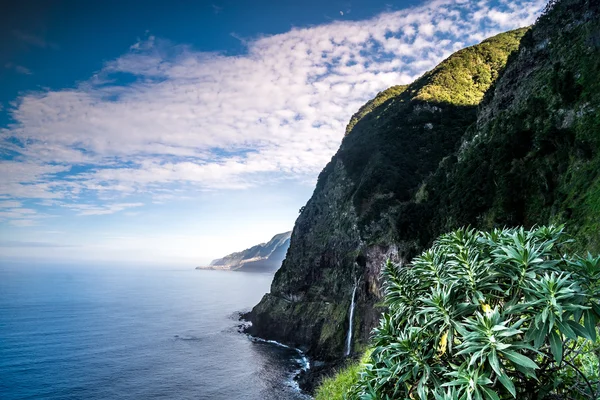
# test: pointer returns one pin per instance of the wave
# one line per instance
(303, 361)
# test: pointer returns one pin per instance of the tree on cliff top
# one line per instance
(498, 315)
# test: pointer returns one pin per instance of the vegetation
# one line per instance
(337, 386)
(534, 159)
(372, 104)
(464, 77)
(398, 139)
(498, 315)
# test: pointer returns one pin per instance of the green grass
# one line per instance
(335, 387)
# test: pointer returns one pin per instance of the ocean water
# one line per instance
(94, 333)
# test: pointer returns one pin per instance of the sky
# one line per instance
(174, 132)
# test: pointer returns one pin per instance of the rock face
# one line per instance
(469, 143)
(264, 257)
(346, 230)
(533, 156)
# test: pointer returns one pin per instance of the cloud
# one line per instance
(33, 40)
(22, 222)
(18, 68)
(17, 213)
(143, 44)
(23, 179)
(165, 116)
(10, 204)
(87, 209)
(20, 217)
(15, 243)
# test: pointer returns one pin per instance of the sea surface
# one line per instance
(110, 333)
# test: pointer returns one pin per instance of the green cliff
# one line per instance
(532, 157)
(346, 231)
(469, 143)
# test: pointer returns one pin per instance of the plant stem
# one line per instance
(582, 375)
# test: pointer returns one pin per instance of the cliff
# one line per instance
(264, 257)
(346, 231)
(472, 142)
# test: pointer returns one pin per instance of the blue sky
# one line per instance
(171, 133)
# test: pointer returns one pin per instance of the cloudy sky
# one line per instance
(170, 133)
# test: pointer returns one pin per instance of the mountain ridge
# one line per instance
(266, 257)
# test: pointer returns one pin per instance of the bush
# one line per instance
(496, 315)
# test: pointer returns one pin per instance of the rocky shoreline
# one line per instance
(308, 377)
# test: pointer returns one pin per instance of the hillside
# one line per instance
(344, 232)
(469, 143)
(264, 257)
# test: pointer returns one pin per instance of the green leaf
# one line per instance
(579, 330)
(421, 391)
(556, 346)
(590, 324)
(520, 359)
(490, 394)
(540, 336)
(566, 330)
(493, 360)
(507, 383)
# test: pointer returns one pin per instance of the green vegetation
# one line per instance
(372, 104)
(336, 387)
(398, 139)
(535, 159)
(465, 76)
(499, 315)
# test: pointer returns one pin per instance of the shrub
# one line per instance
(496, 315)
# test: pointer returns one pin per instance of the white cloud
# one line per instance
(24, 179)
(213, 121)
(22, 222)
(88, 209)
(19, 216)
(10, 204)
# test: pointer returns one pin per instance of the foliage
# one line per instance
(498, 315)
(534, 155)
(372, 104)
(464, 77)
(335, 387)
(398, 139)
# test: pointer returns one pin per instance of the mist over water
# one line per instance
(136, 334)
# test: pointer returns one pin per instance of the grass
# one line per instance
(335, 387)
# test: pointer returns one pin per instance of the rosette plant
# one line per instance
(498, 315)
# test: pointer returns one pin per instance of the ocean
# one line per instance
(130, 333)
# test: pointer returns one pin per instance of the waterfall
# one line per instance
(349, 337)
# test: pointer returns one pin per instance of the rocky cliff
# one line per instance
(264, 257)
(346, 231)
(469, 143)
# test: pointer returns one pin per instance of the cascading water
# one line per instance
(349, 337)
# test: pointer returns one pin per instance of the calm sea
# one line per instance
(92, 333)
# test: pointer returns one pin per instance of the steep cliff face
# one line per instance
(348, 227)
(264, 257)
(533, 156)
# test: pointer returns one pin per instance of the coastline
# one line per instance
(303, 379)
